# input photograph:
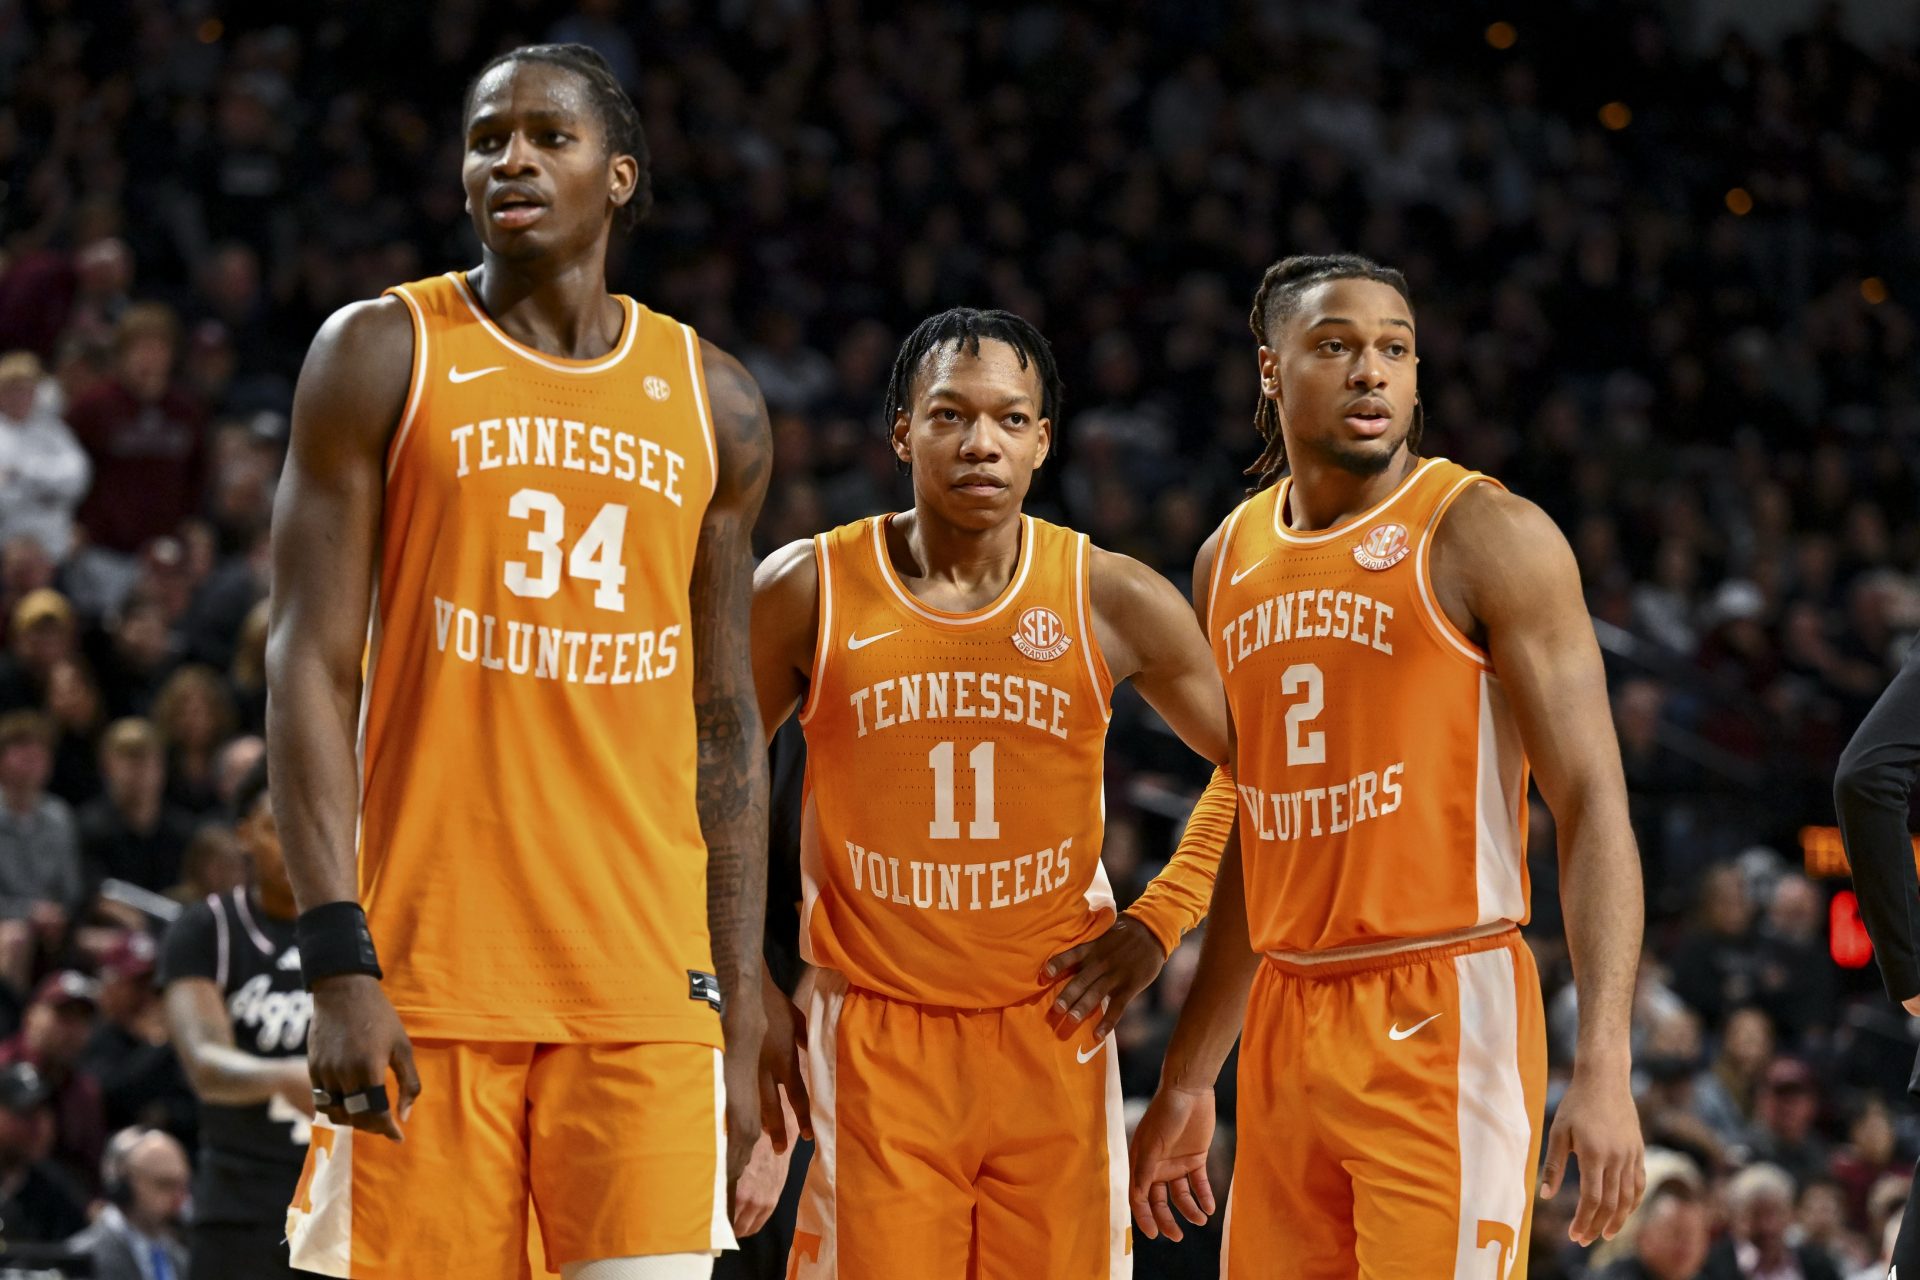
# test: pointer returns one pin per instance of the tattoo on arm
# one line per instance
(731, 791)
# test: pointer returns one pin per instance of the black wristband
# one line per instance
(334, 939)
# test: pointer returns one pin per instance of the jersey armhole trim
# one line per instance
(1220, 550)
(698, 369)
(1451, 638)
(824, 640)
(1097, 669)
(417, 384)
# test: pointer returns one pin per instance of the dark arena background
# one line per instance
(1665, 259)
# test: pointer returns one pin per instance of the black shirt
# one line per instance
(250, 1157)
(113, 850)
(48, 1206)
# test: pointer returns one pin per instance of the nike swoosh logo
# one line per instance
(857, 642)
(454, 375)
(1241, 573)
(1086, 1055)
(1398, 1034)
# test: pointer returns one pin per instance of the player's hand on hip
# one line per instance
(355, 1040)
(758, 1192)
(1169, 1163)
(1112, 968)
(1597, 1122)
(789, 1118)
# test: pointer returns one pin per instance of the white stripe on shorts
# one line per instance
(322, 1240)
(1495, 1135)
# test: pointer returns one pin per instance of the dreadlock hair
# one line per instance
(1274, 303)
(618, 118)
(969, 328)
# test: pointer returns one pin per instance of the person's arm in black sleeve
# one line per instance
(1870, 794)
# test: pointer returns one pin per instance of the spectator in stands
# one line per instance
(134, 659)
(146, 1178)
(1760, 1208)
(79, 714)
(1869, 1155)
(131, 832)
(1716, 967)
(40, 881)
(58, 1025)
(1670, 1102)
(144, 436)
(1820, 1222)
(1796, 979)
(1672, 1239)
(44, 473)
(1783, 1131)
(129, 1052)
(39, 1200)
(1725, 1095)
(194, 716)
(41, 637)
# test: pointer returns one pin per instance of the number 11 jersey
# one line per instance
(531, 857)
(1382, 781)
(951, 831)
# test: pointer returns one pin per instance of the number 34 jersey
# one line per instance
(531, 857)
(1382, 782)
(950, 840)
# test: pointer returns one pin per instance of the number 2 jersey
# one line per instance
(1382, 781)
(531, 858)
(951, 831)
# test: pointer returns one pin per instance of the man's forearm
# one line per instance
(230, 1077)
(316, 792)
(1604, 907)
(732, 797)
(1217, 1004)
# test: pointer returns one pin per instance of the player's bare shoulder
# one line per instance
(786, 614)
(1494, 548)
(786, 585)
(354, 383)
(743, 435)
(1135, 609)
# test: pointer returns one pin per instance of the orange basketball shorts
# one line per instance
(621, 1149)
(1389, 1117)
(959, 1144)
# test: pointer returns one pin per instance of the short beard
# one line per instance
(1359, 460)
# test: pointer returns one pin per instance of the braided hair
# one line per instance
(618, 118)
(1274, 303)
(969, 328)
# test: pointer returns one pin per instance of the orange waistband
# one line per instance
(1344, 961)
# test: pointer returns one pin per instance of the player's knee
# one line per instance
(673, 1266)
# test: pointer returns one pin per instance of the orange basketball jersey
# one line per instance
(950, 843)
(1382, 782)
(530, 853)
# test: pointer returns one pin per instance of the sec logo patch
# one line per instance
(1041, 635)
(657, 387)
(1385, 546)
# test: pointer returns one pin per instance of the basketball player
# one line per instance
(539, 495)
(952, 666)
(1399, 638)
(238, 1015)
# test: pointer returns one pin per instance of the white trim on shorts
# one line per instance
(1496, 1135)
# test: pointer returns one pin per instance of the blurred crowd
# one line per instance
(1664, 287)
